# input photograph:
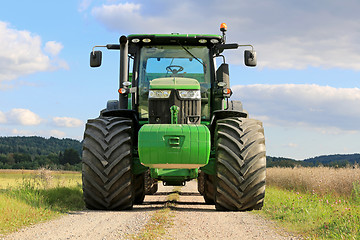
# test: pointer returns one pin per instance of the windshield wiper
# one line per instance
(202, 63)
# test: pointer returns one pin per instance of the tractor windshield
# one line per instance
(174, 61)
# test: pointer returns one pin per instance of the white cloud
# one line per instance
(134, 18)
(53, 47)
(26, 132)
(22, 132)
(84, 5)
(23, 117)
(292, 145)
(67, 122)
(324, 108)
(21, 53)
(57, 134)
(2, 117)
(107, 14)
(291, 35)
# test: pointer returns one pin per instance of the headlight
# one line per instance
(159, 93)
(191, 94)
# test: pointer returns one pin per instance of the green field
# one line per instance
(28, 197)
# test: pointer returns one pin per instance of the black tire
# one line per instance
(201, 182)
(106, 164)
(209, 189)
(240, 164)
(206, 187)
(139, 186)
(151, 185)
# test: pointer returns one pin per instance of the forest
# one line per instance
(65, 154)
(335, 161)
(39, 152)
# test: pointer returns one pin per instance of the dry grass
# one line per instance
(319, 180)
(31, 196)
(42, 178)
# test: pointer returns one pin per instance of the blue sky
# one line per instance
(305, 88)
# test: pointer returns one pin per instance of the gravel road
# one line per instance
(193, 219)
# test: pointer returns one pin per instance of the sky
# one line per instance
(305, 88)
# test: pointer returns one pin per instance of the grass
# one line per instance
(44, 178)
(322, 180)
(319, 203)
(155, 228)
(16, 214)
(29, 197)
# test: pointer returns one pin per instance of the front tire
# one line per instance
(151, 185)
(240, 164)
(139, 186)
(106, 164)
(201, 182)
(209, 189)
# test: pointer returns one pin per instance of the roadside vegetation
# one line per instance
(29, 197)
(161, 219)
(320, 203)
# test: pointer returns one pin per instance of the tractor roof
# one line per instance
(175, 38)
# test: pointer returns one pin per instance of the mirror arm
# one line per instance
(93, 50)
(108, 46)
(222, 47)
(247, 45)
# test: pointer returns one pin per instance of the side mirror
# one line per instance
(250, 58)
(95, 58)
(222, 75)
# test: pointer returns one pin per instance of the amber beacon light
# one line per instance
(223, 27)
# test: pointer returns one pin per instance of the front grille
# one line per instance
(190, 111)
(159, 110)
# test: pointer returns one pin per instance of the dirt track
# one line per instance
(193, 220)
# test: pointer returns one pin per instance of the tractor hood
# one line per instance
(174, 83)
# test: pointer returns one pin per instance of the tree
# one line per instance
(70, 156)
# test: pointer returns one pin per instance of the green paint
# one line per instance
(137, 167)
(174, 176)
(199, 36)
(187, 146)
(210, 167)
(174, 83)
(174, 114)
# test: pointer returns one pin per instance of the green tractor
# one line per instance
(173, 123)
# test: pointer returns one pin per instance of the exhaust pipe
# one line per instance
(124, 67)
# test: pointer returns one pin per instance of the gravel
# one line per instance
(193, 219)
(196, 220)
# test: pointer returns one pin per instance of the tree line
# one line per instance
(335, 161)
(65, 154)
(37, 152)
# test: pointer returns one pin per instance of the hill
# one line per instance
(37, 145)
(36, 152)
(335, 160)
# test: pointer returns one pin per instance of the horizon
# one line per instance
(336, 154)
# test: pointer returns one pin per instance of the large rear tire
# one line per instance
(106, 164)
(240, 164)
